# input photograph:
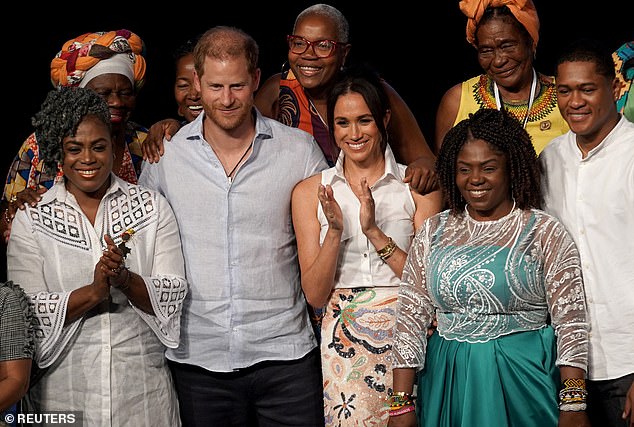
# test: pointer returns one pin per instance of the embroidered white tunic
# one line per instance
(110, 363)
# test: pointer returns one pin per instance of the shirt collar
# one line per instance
(60, 193)
(608, 140)
(194, 131)
(391, 167)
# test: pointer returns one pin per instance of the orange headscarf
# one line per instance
(523, 10)
(80, 54)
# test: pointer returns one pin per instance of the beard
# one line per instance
(232, 122)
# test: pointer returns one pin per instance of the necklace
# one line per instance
(531, 97)
(470, 218)
(312, 106)
(230, 174)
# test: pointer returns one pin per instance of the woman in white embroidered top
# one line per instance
(504, 281)
(354, 223)
(101, 261)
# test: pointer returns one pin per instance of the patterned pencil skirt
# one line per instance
(356, 351)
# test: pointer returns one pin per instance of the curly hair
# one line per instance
(505, 134)
(61, 113)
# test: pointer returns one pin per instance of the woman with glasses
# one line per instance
(318, 48)
(505, 34)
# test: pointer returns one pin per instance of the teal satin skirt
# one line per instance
(510, 381)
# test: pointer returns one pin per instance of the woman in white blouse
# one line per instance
(105, 308)
(354, 223)
(503, 279)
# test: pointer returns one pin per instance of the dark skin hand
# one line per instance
(14, 381)
(25, 197)
(152, 147)
(629, 406)
(131, 284)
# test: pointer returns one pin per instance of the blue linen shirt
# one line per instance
(245, 303)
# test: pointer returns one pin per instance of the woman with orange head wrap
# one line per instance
(110, 63)
(505, 34)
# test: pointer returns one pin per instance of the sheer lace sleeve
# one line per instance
(51, 336)
(167, 294)
(415, 309)
(565, 295)
(167, 286)
(25, 267)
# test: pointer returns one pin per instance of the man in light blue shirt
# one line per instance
(247, 347)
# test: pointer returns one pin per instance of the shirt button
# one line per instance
(365, 255)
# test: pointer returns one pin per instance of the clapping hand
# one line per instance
(367, 211)
(111, 262)
(331, 208)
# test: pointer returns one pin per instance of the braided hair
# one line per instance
(505, 134)
(61, 113)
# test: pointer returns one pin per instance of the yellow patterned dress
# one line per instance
(544, 121)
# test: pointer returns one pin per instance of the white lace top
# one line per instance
(486, 279)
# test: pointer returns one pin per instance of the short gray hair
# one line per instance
(322, 9)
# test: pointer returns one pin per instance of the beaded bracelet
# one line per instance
(399, 400)
(573, 395)
(404, 410)
(387, 250)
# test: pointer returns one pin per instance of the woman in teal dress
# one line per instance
(503, 279)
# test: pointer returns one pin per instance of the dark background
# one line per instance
(418, 46)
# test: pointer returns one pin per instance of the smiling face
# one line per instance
(355, 129)
(483, 180)
(227, 89)
(186, 95)
(88, 159)
(586, 100)
(505, 53)
(118, 92)
(312, 72)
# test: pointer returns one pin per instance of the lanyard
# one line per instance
(531, 97)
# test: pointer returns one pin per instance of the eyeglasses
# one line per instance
(322, 48)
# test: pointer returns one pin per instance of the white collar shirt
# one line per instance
(594, 198)
(359, 265)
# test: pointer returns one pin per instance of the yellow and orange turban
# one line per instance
(523, 10)
(92, 54)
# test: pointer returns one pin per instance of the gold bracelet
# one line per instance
(387, 250)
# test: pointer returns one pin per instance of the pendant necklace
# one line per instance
(229, 175)
(531, 97)
(310, 101)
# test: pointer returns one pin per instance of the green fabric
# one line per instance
(628, 110)
(511, 381)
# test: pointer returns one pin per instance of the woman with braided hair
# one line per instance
(110, 63)
(101, 262)
(493, 268)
